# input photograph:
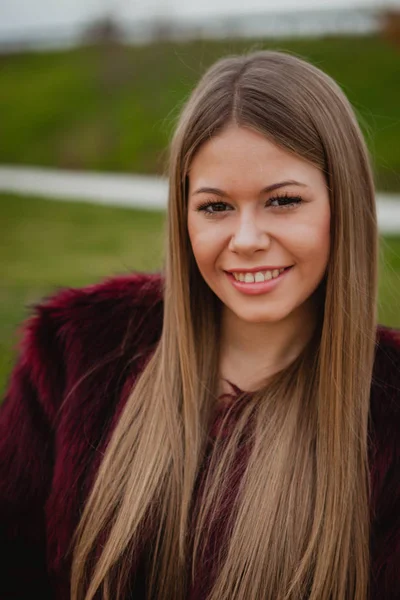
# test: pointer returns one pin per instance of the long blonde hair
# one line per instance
(300, 521)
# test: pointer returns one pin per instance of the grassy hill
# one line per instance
(113, 108)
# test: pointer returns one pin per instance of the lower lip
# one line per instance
(259, 287)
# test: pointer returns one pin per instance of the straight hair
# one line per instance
(299, 526)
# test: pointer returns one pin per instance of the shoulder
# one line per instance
(103, 311)
(384, 424)
(385, 386)
(386, 371)
(99, 307)
(120, 294)
(105, 314)
(388, 339)
(384, 446)
(78, 329)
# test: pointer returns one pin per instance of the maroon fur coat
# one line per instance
(79, 355)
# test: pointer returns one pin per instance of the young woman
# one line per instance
(228, 428)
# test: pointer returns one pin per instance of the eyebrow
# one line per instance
(265, 190)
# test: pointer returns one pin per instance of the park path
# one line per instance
(135, 191)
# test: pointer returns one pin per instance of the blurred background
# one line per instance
(89, 94)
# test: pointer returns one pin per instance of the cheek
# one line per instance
(311, 243)
(207, 244)
(314, 248)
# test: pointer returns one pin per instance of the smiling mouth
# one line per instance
(257, 276)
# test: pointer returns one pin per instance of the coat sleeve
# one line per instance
(385, 583)
(26, 457)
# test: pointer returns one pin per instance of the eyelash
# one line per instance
(294, 201)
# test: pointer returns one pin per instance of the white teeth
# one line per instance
(259, 276)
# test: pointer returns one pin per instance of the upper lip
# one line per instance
(256, 269)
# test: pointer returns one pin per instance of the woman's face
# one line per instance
(253, 210)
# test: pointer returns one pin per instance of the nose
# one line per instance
(249, 236)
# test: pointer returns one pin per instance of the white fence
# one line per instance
(136, 191)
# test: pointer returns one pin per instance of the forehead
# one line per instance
(243, 158)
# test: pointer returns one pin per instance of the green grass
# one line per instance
(46, 244)
(114, 108)
(389, 281)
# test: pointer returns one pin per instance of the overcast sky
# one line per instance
(20, 15)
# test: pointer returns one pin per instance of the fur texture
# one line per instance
(79, 355)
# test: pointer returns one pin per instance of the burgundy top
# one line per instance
(222, 425)
(79, 355)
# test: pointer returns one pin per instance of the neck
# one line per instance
(251, 352)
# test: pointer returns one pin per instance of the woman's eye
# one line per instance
(282, 202)
(211, 207)
(285, 201)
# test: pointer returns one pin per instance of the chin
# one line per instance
(262, 316)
